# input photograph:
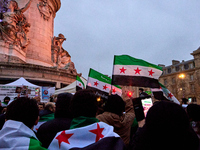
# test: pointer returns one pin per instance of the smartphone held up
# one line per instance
(141, 106)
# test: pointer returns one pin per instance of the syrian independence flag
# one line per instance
(101, 84)
(116, 89)
(42, 120)
(79, 84)
(130, 71)
(163, 93)
(16, 136)
(3, 104)
(98, 136)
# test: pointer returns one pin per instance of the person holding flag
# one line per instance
(86, 131)
(114, 115)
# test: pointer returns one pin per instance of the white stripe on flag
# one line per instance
(79, 84)
(116, 90)
(134, 70)
(82, 137)
(105, 87)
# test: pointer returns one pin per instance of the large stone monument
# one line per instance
(27, 40)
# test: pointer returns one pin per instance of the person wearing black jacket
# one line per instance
(166, 127)
(142, 93)
(62, 121)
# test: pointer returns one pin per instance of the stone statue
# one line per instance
(60, 57)
(71, 67)
(45, 9)
(56, 48)
(14, 26)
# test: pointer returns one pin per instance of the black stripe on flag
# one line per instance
(103, 95)
(78, 88)
(159, 95)
(106, 143)
(135, 81)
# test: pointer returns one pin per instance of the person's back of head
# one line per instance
(24, 110)
(6, 99)
(62, 105)
(115, 104)
(50, 106)
(41, 106)
(167, 123)
(193, 111)
(84, 103)
(184, 100)
(141, 89)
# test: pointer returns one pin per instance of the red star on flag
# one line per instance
(113, 91)
(105, 87)
(79, 84)
(63, 137)
(151, 73)
(98, 132)
(96, 83)
(137, 70)
(170, 95)
(122, 70)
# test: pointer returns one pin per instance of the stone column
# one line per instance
(40, 15)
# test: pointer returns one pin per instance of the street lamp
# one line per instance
(182, 76)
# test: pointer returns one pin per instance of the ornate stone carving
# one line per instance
(71, 67)
(60, 57)
(14, 26)
(45, 9)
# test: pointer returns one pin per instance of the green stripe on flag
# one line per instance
(117, 86)
(128, 60)
(47, 117)
(162, 85)
(35, 144)
(97, 75)
(79, 79)
(82, 121)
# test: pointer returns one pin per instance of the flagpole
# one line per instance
(112, 74)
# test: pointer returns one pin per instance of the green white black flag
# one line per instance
(101, 84)
(130, 71)
(79, 84)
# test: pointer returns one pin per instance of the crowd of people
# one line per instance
(79, 121)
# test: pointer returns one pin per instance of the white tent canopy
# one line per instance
(70, 88)
(20, 82)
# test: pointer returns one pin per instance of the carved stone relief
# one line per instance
(45, 9)
(60, 57)
(14, 26)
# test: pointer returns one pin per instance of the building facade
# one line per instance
(28, 47)
(183, 78)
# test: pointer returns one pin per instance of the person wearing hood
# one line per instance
(114, 115)
(62, 121)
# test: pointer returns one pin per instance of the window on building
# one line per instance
(177, 68)
(169, 70)
(192, 88)
(165, 81)
(181, 67)
(191, 65)
(186, 66)
(173, 80)
(173, 90)
(191, 77)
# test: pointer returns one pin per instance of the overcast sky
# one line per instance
(157, 31)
